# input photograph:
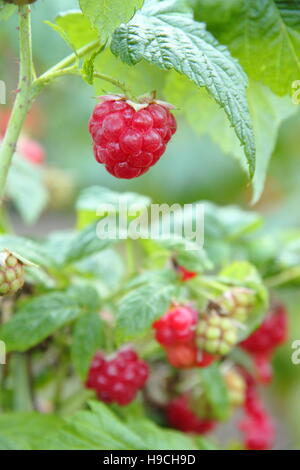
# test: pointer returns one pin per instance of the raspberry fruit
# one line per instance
(271, 333)
(262, 343)
(181, 417)
(31, 150)
(177, 326)
(257, 425)
(216, 334)
(238, 303)
(119, 378)
(129, 141)
(11, 273)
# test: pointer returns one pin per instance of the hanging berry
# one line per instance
(117, 379)
(130, 137)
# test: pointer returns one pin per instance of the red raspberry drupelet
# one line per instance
(129, 142)
(117, 379)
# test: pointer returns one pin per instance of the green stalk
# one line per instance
(23, 99)
(21, 383)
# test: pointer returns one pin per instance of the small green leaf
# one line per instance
(74, 28)
(107, 15)
(96, 201)
(26, 189)
(85, 243)
(88, 337)
(43, 315)
(28, 249)
(216, 391)
(6, 11)
(88, 66)
(140, 307)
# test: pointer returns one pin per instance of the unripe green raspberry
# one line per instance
(236, 387)
(237, 303)
(11, 273)
(216, 334)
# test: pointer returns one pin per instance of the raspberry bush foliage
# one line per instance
(115, 343)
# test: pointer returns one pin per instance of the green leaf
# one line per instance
(263, 34)
(267, 110)
(88, 66)
(107, 267)
(168, 37)
(75, 28)
(85, 243)
(101, 429)
(88, 337)
(6, 11)
(140, 307)
(42, 316)
(229, 223)
(187, 253)
(26, 189)
(23, 431)
(28, 249)
(216, 391)
(93, 202)
(107, 15)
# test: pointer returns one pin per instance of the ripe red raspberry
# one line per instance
(119, 378)
(262, 343)
(126, 141)
(177, 326)
(271, 333)
(257, 425)
(31, 150)
(181, 417)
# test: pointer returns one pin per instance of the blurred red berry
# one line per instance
(262, 343)
(185, 274)
(117, 379)
(181, 417)
(177, 326)
(257, 425)
(31, 150)
(129, 142)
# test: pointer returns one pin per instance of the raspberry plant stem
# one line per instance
(23, 99)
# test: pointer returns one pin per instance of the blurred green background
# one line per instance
(193, 168)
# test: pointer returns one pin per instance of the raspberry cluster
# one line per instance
(262, 343)
(216, 334)
(11, 273)
(119, 378)
(257, 425)
(129, 142)
(180, 416)
(176, 332)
